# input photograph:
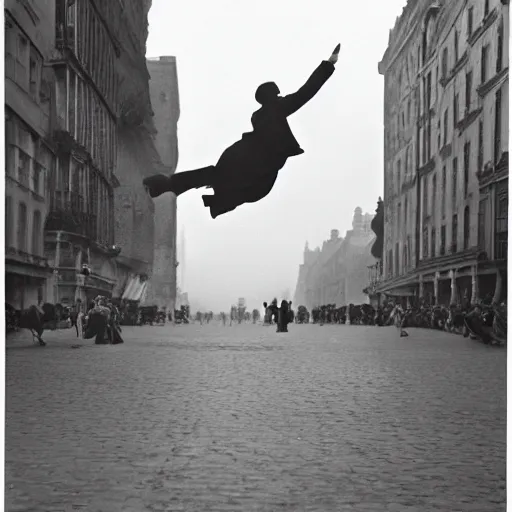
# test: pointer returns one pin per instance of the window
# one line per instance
(445, 127)
(397, 259)
(455, 110)
(483, 64)
(425, 197)
(455, 233)
(481, 224)
(425, 242)
(398, 175)
(443, 193)
(9, 221)
(23, 168)
(406, 215)
(434, 194)
(36, 62)
(469, 85)
(429, 92)
(10, 49)
(497, 127)
(409, 112)
(470, 22)
(501, 235)
(480, 145)
(454, 182)
(22, 61)
(433, 242)
(467, 159)
(466, 228)
(36, 233)
(442, 246)
(444, 64)
(499, 53)
(486, 8)
(36, 178)
(22, 227)
(456, 46)
(10, 138)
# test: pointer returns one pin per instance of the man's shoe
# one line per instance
(156, 185)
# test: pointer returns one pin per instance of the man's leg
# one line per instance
(180, 182)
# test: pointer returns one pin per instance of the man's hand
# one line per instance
(334, 57)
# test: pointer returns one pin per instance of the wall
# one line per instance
(436, 46)
(134, 209)
(337, 272)
(164, 94)
(29, 158)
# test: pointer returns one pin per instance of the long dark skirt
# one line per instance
(115, 335)
(96, 326)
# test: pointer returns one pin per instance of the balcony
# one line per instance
(67, 214)
(501, 246)
(11, 253)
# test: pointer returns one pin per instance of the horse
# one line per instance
(36, 320)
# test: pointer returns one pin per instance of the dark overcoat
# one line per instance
(247, 170)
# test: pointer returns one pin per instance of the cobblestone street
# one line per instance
(212, 418)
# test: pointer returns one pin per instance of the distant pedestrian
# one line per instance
(283, 317)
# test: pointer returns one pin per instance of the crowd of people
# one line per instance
(102, 321)
(484, 320)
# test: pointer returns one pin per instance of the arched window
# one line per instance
(406, 214)
(434, 194)
(36, 233)
(9, 222)
(443, 193)
(444, 64)
(397, 260)
(22, 227)
(466, 228)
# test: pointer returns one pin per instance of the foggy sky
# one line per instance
(224, 50)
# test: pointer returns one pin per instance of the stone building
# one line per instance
(29, 156)
(446, 150)
(164, 94)
(100, 130)
(137, 158)
(337, 273)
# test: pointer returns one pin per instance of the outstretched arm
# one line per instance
(295, 101)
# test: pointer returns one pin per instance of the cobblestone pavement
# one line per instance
(212, 418)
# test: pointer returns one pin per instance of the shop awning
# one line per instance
(135, 289)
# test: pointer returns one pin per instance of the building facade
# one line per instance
(80, 138)
(29, 152)
(446, 151)
(164, 93)
(337, 272)
(137, 158)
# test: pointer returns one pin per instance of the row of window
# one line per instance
(484, 61)
(80, 26)
(27, 159)
(88, 120)
(427, 89)
(467, 158)
(23, 62)
(81, 191)
(17, 228)
(501, 236)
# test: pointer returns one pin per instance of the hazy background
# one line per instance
(224, 50)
